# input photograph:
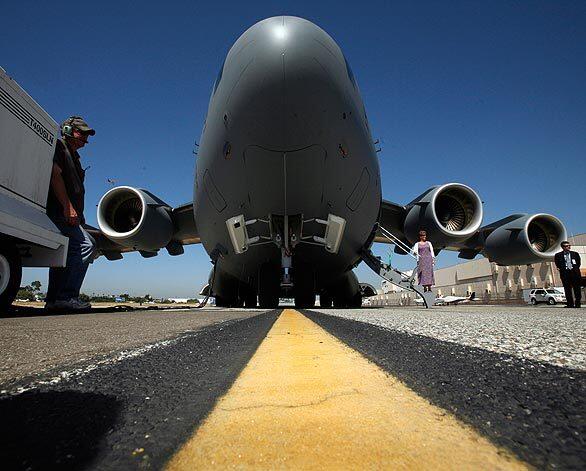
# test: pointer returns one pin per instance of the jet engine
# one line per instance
(523, 239)
(135, 218)
(449, 214)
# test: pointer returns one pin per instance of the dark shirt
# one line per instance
(73, 176)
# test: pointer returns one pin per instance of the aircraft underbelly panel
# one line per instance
(285, 182)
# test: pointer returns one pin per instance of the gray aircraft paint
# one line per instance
(286, 133)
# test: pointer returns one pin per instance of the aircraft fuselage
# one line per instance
(286, 135)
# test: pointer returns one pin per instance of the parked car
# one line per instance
(550, 296)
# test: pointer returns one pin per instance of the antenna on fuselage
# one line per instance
(376, 143)
(195, 148)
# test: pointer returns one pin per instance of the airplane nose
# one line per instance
(292, 78)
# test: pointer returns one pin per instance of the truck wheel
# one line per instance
(533, 301)
(10, 275)
(551, 301)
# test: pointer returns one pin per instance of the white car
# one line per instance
(550, 296)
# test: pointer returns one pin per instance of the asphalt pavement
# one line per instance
(543, 333)
(128, 414)
(33, 344)
(129, 390)
(535, 409)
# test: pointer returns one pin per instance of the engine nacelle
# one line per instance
(449, 213)
(525, 239)
(135, 218)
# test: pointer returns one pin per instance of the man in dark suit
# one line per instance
(568, 263)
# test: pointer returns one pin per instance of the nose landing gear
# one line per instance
(286, 232)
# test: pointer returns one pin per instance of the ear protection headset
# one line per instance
(67, 128)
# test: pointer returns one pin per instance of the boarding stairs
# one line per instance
(395, 276)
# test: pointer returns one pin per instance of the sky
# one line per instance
(490, 94)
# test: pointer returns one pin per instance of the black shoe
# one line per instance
(568, 305)
(578, 306)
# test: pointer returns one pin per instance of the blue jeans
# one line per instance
(65, 283)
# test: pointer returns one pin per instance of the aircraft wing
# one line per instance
(452, 214)
(183, 230)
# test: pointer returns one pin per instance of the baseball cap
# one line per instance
(79, 123)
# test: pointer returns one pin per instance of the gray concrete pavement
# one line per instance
(31, 345)
(548, 334)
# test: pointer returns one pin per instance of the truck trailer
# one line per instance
(28, 238)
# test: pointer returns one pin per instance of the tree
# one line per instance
(84, 297)
(26, 293)
(139, 300)
(36, 285)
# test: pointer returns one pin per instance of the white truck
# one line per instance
(27, 236)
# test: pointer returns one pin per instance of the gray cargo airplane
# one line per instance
(287, 194)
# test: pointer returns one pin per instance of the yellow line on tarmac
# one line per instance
(305, 400)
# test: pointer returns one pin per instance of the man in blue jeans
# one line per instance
(65, 206)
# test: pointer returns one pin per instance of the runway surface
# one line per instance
(34, 344)
(464, 387)
(548, 334)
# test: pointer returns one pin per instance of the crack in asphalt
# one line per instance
(327, 398)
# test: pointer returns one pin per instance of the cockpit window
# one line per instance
(219, 77)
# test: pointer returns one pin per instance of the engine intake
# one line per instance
(135, 218)
(448, 213)
(524, 239)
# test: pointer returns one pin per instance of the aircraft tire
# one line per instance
(268, 300)
(306, 301)
(250, 300)
(220, 302)
(10, 275)
(325, 300)
(356, 301)
(339, 302)
(228, 302)
(304, 286)
(268, 294)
